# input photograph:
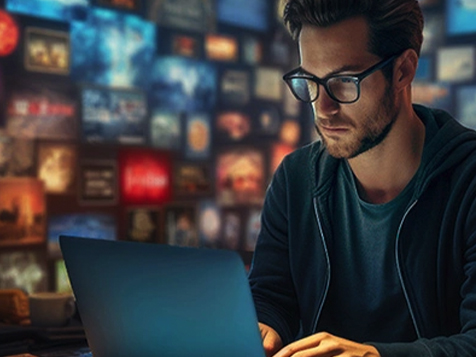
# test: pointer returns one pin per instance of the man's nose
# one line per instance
(324, 104)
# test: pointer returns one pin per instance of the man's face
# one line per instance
(348, 130)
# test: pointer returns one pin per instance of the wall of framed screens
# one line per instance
(156, 121)
(162, 121)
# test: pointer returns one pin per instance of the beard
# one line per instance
(367, 133)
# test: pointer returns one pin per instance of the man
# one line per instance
(368, 239)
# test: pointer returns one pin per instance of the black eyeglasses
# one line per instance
(343, 89)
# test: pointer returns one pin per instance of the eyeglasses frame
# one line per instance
(356, 78)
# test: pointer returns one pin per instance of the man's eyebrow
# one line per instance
(344, 68)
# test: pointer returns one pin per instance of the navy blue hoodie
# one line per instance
(435, 245)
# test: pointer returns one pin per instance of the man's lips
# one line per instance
(334, 129)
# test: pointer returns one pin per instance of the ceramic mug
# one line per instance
(49, 309)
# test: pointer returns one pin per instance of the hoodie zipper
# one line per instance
(328, 263)
(399, 269)
(400, 276)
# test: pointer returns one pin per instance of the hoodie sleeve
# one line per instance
(270, 276)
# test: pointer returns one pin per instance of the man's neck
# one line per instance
(385, 170)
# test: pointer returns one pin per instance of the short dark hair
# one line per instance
(394, 25)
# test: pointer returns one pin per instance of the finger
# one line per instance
(311, 344)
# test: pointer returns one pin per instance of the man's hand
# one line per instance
(272, 343)
(323, 344)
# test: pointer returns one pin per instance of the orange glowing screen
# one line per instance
(9, 34)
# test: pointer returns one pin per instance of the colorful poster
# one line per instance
(56, 167)
(114, 116)
(59, 10)
(191, 15)
(145, 177)
(98, 182)
(22, 212)
(240, 176)
(181, 226)
(47, 51)
(112, 48)
(41, 110)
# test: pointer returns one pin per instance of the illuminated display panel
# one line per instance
(52, 9)
(251, 14)
(145, 176)
(460, 17)
(112, 49)
(22, 211)
(87, 225)
(114, 116)
(183, 84)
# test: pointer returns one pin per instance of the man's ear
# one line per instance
(404, 69)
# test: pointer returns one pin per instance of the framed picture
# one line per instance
(58, 10)
(192, 179)
(221, 48)
(112, 48)
(56, 167)
(253, 227)
(235, 86)
(181, 225)
(42, 110)
(166, 129)
(98, 182)
(145, 177)
(290, 132)
(198, 143)
(17, 157)
(460, 15)
(456, 64)
(267, 119)
(22, 212)
(240, 176)
(24, 269)
(232, 126)
(97, 225)
(186, 46)
(268, 83)
(182, 84)
(251, 50)
(209, 224)
(113, 116)
(192, 15)
(47, 51)
(143, 224)
(250, 14)
(232, 231)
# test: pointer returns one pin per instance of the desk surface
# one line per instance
(27, 341)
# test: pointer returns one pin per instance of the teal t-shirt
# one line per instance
(365, 302)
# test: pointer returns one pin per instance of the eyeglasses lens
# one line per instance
(304, 89)
(343, 89)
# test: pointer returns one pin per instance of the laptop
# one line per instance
(142, 299)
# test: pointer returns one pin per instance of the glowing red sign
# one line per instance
(144, 177)
(9, 34)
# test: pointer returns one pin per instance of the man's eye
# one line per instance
(346, 80)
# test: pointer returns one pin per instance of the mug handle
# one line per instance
(69, 308)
